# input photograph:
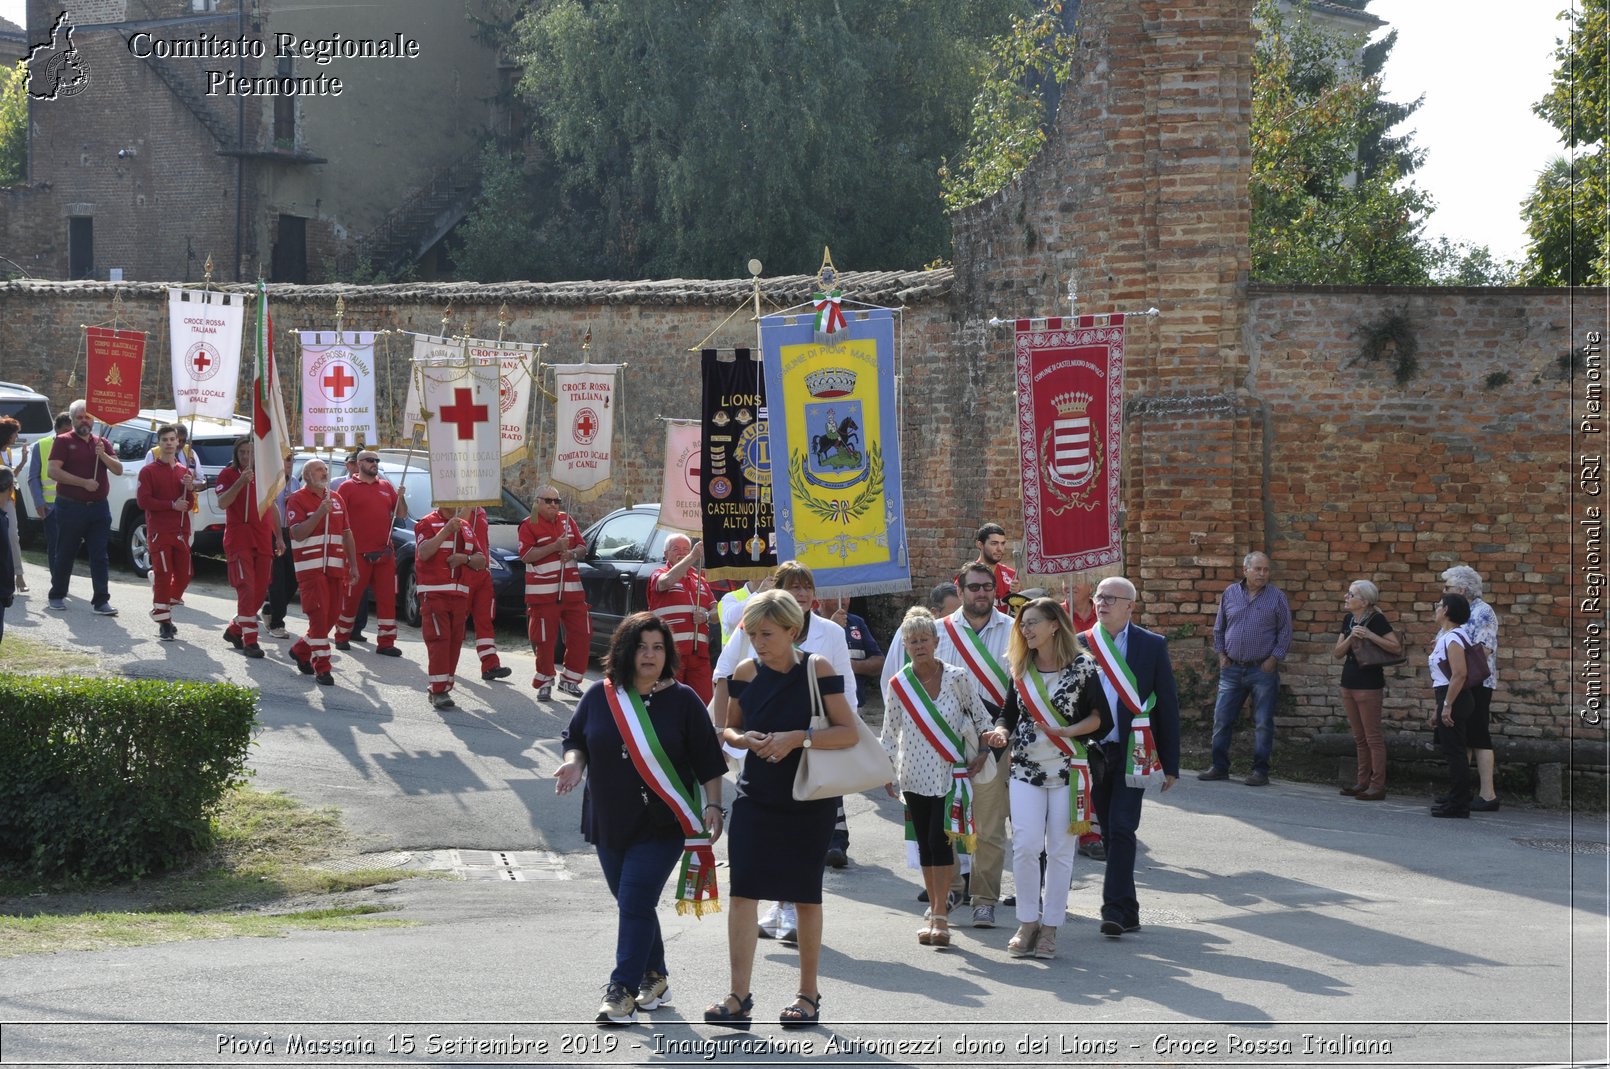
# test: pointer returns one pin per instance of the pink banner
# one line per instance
(679, 492)
(1070, 404)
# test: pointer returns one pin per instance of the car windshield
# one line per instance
(33, 415)
(214, 453)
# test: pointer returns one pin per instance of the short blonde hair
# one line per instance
(793, 573)
(918, 620)
(778, 606)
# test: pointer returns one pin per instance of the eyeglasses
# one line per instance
(368, 460)
(1108, 599)
(550, 500)
(976, 587)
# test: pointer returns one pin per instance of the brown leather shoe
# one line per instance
(1371, 796)
(1355, 790)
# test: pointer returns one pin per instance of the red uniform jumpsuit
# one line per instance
(168, 531)
(370, 509)
(444, 598)
(249, 548)
(554, 599)
(483, 608)
(322, 570)
(675, 606)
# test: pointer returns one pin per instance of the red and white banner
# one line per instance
(679, 493)
(338, 388)
(116, 363)
(1070, 404)
(460, 401)
(584, 428)
(204, 330)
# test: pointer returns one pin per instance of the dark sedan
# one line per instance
(623, 550)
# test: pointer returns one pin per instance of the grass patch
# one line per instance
(254, 882)
(30, 657)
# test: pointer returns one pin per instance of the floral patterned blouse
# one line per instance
(918, 767)
(1035, 758)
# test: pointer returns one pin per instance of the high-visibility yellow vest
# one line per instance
(46, 483)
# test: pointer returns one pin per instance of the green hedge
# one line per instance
(106, 779)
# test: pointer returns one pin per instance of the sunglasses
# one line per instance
(976, 587)
(550, 500)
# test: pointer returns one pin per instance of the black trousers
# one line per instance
(1452, 741)
(282, 584)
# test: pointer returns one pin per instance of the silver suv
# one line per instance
(212, 440)
(31, 409)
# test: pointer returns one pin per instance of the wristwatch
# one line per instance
(807, 742)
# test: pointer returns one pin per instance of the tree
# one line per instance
(13, 123)
(1566, 213)
(681, 137)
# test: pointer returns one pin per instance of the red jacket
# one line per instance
(160, 485)
(370, 508)
(324, 549)
(435, 575)
(675, 606)
(243, 527)
(550, 579)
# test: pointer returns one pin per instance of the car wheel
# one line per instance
(410, 607)
(138, 543)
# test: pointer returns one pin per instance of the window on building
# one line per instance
(80, 247)
(290, 250)
(285, 108)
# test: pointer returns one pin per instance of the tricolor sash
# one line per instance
(1033, 696)
(696, 883)
(948, 744)
(1141, 766)
(991, 677)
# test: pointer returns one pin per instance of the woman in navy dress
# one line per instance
(776, 845)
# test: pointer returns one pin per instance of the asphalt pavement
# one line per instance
(1283, 925)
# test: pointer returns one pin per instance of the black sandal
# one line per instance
(796, 1017)
(720, 1014)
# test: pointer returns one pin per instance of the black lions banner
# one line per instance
(740, 541)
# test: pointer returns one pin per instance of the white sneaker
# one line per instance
(772, 921)
(789, 932)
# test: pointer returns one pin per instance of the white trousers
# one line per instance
(1040, 822)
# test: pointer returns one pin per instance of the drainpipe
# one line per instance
(240, 139)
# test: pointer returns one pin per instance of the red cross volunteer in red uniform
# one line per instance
(166, 493)
(678, 594)
(991, 542)
(324, 557)
(372, 504)
(446, 552)
(483, 606)
(251, 542)
(550, 544)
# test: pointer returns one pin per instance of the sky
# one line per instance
(1481, 64)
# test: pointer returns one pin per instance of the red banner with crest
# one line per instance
(1070, 405)
(115, 364)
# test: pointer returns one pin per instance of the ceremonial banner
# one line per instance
(429, 351)
(836, 440)
(584, 425)
(679, 492)
(735, 499)
(271, 432)
(338, 388)
(514, 362)
(461, 424)
(204, 329)
(1070, 404)
(116, 362)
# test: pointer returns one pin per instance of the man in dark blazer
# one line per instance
(1117, 804)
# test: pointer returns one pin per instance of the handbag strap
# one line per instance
(818, 712)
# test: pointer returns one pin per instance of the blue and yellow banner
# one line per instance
(835, 451)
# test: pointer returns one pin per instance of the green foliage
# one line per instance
(1008, 123)
(1320, 215)
(1391, 338)
(13, 123)
(1463, 264)
(114, 778)
(1566, 211)
(681, 137)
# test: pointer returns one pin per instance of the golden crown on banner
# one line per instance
(831, 382)
(1071, 404)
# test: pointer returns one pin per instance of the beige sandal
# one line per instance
(1046, 947)
(1021, 945)
(925, 935)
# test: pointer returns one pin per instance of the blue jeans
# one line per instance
(1236, 681)
(81, 523)
(636, 876)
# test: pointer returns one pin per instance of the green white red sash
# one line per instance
(1142, 768)
(1033, 696)
(696, 883)
(992, 678)
(948, 744)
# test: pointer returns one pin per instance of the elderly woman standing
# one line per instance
(1463, 580)
(653, 796)
(1455, 706)
(777, 845)
(928, 706)
(1051, 711)
(1362, 685)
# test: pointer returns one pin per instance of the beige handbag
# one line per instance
(832, 773)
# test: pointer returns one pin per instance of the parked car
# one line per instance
(410, 474)
(213, 441)
(31, 409)
(623, 550)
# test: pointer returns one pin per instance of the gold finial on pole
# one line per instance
(447, 313)
(206, 278)
(754, 277)
(503, 320)
(340, 312)
(117, 308)
(827, 275)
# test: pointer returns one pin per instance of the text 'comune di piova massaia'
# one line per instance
(321, 50)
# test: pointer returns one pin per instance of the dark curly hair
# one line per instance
(620, 662)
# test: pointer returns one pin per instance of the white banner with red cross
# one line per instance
(429, 351)
(460, 403)
(584, 421)
(514, 361)
(338, 388)
(204, 329)
(679, 493)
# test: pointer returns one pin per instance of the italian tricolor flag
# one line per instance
(270, 429)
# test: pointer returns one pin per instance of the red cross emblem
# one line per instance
(201, 363)
(465, 413)
(586, 426)
(338, 382)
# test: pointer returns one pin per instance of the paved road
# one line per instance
(1270, 915)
